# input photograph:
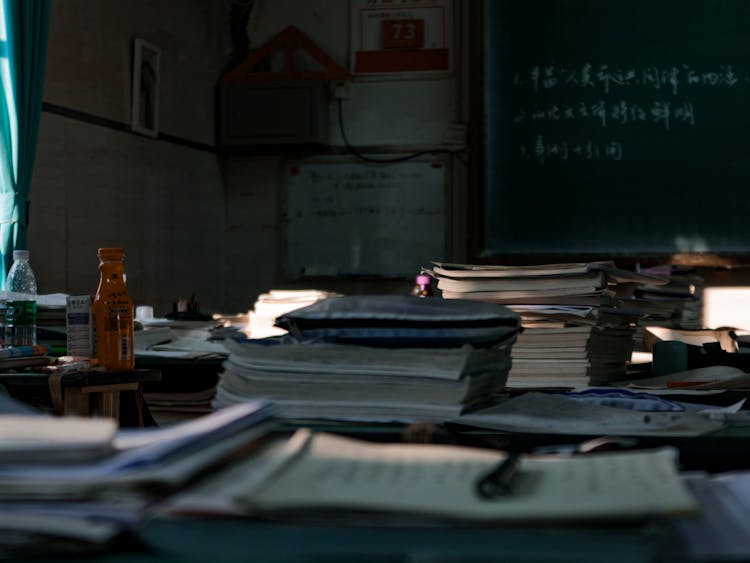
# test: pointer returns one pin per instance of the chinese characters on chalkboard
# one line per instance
(599, 94)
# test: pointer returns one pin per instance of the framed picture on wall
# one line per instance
(144, 117)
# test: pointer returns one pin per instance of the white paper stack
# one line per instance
(349, 382)
(382, 358)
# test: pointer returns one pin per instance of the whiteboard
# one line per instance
(345, 218)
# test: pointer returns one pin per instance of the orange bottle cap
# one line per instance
(112, 253)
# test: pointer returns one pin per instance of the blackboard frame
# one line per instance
(478, 249)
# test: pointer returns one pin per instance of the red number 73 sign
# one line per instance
(402, 34)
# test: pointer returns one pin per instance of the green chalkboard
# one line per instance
(617, 127)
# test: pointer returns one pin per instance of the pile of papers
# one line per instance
(575, 331)
(168, 342)
(70, 484)
(168, 407)
(594, 412)
(375, 358)
(170, 349)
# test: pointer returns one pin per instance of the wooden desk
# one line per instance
(89, 393)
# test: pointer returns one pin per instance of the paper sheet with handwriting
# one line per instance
(335, 472)
(544, 413)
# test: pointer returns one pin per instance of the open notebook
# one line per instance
(321, 474)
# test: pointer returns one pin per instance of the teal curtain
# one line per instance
(25, 50)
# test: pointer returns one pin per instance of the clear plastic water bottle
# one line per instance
(20, 310)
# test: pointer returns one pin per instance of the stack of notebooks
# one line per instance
(575, 330)
(378, 358)
(72, 485)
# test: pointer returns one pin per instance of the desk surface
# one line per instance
(30, 378)
(237, 540)
(225, 540)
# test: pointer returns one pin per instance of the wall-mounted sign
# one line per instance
(394, 36)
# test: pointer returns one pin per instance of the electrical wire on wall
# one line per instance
(402, 158)
(239, 17)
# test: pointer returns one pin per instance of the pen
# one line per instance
(496, 483)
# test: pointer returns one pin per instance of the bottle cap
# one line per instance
(20, 255)
(423, 279)
(111, 253)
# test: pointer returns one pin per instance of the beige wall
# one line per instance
(194, 221)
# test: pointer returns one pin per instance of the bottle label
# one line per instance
(20, 312)
(79, 325)
(115, 344)
(20, 323)
(125, 349)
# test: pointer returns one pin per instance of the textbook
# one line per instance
(583, 283)
(24, 351)
(608, 267)
(323, 475)
(584, 295)
(496, 271)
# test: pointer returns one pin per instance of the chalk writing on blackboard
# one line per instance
(542, 150)
(587, 75)
(610, 106)
(662, 112)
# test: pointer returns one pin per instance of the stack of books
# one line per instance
(551, 356)
(378, 358)
(74, 485)
(678, 303)
(575, 330)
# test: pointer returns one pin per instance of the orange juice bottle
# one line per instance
(113, 314)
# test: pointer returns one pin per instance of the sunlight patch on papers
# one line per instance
(726, 306)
